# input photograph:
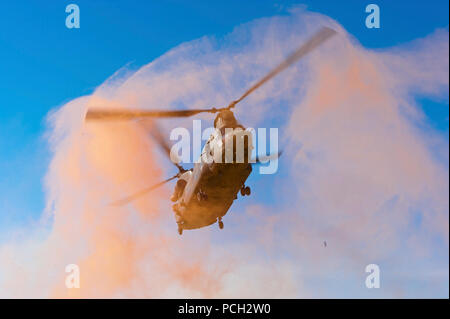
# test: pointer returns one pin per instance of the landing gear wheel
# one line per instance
(245, 191)
(220, 224)
(180, 230)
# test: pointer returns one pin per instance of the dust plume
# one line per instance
(359, 171)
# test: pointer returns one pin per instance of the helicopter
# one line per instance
(204, 194)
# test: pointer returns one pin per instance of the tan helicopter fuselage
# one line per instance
(214, 183)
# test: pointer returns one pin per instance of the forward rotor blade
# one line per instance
(144, 191)
(154, 130)
(320, 37)
(125, 114)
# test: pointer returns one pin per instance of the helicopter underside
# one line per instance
(216, 189)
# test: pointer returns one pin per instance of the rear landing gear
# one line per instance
(220, 223)
(246, 191)
(180, 230)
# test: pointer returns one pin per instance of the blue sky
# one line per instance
(43, 64)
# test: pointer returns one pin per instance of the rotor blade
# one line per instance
(265, 159)
(144, 191)
(154, 130)
(321, 36)
(126, 114)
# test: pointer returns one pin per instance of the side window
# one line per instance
(207, 152)
(207, 145)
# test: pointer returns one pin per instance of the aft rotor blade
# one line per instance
(320, 37)
(265, 159)
(144, 191)
(126, 114)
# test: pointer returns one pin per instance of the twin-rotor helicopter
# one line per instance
(204, 193)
